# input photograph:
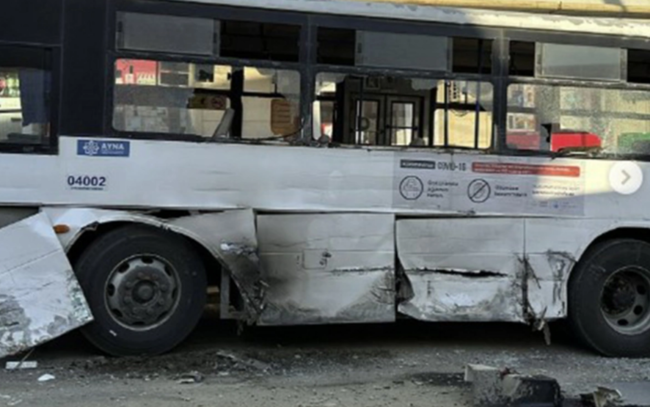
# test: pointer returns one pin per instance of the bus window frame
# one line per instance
(594, 40)
(54, 65)
(201, 11)
(308, 67)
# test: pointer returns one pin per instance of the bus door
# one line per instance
(386, 120)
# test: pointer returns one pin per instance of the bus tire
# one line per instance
(146, 288)
(609, 298)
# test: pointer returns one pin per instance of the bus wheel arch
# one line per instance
(609, 294)
(85, 234)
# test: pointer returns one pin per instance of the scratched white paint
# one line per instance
(472, 17)
(463, 269)
(328, 268)
(40, 297)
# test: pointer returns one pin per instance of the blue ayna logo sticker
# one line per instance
(103, 148)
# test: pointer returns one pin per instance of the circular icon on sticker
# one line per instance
(411, 188)
(479, 191)
(625, 177)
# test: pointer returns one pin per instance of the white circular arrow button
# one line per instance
(625, 177)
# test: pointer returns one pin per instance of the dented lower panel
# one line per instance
(336, 268)
(463, 269)
(40, 298)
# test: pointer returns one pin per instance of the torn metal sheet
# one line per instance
(553, 247)
(463, 269)
(40, 298)
(336, 268)
(231, 237)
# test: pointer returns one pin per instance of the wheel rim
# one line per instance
(142, 292)
(625, 300)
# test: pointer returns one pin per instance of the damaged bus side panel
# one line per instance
(40, 299)
(293, 269)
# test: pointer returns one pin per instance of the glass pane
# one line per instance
(24, 105)
(366, 122)
(409, 51)
(265, 80)
(560, 118)
(336, 46)
(463, 113)
(471, 55)
(158, 33)
(403, 124)
(248, 39)
(184, 98)
(394, 111)
(580, 62)
(163, 97)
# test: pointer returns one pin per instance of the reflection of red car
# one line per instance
(560, 140)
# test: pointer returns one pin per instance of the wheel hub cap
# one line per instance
(625, 302)
(142, 292)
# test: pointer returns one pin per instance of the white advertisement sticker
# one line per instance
(507, 185)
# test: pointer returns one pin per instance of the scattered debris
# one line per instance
(493, 387)
(604, 397)
(255, 364)
(46, 377)
(21, 365)
(619, 395)
(191, 378)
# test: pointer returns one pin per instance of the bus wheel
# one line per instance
(609, 298)
(146, 288)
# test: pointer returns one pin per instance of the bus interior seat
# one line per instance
(223, 129)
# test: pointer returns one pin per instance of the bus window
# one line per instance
(253, 40)
(373, 110)
(271, 103)
(555, 118)
(463, 114)
(173, 34)
(472, 56)
(25, 95)
(203, 100)
(579, 62)
(383, 49)
(638, 66)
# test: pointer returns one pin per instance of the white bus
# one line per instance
(319, 162)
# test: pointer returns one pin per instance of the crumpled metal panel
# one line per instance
(463, 269)
(334, 268)
(40, 298)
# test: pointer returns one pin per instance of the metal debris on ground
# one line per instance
(619, 395)
(191, 378)
(46, 377)
(492, 387)
(255, 364)
(28, 364)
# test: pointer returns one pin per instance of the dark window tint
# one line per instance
(407, 51)
(276, 42)
(522, 58)
(158, 33)
(472, 56)
(638, 66)
(336, 46)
